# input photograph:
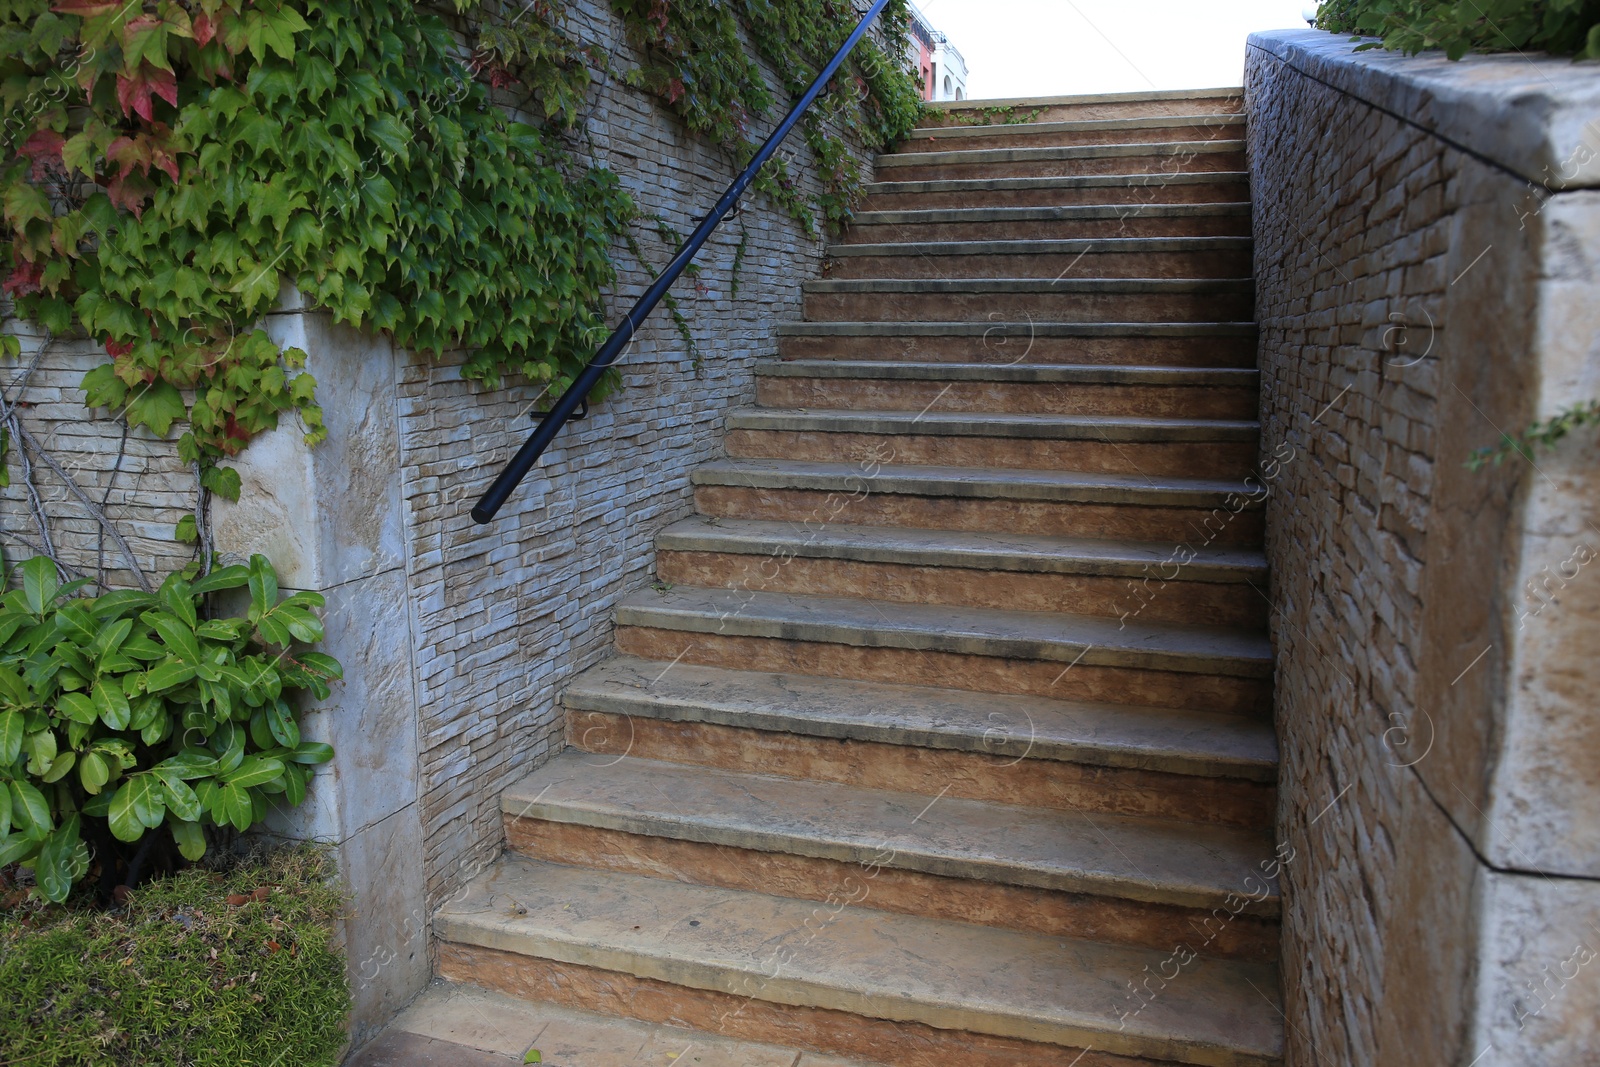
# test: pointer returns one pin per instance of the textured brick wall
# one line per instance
(500, 616)
(136, 481)
(1404, 269)
(506, 614)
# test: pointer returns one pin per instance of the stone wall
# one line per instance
(458, 638)
(1428, 274)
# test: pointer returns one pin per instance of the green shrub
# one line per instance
(1561, 27)
(181, 975)
(132, 712)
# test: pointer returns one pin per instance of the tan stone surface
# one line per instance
(1416, 300)
(898, 1044)
(1067, 398)
(871, 964)
(919, 716)
(984, 674)
(1173, 344)
(478, 1019)
(1079, 915)
(1176, 459)
(1016, 636)
(1201, 603)
(1138, 858)
(975, 776)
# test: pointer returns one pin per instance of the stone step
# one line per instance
(1151, 157)
(1042, 635)
(454, 1024)
(851, 979)
(1124, 580)
(1177, 511)
(801, 837)
(1164, 128)
(1067, 300)
(1076, 222)
(1183, 448)
(1173, 344)
(1164, 102)
(1112, 257)
(1210, 187)
(1060, 389)
(1016, 731)
(1074, 657)
(1158, 861)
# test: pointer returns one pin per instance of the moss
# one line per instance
(233, 967)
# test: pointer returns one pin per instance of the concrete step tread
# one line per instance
(1028, 373)
(1136, 96)
(1095, 641)
(1163, 861)
(463, 1026)
(1105, 428)
(871, 963)
(1062, 213)
(1042, 248)
(1016, 329)
(1043, 286)
(1027, 553)
(1141, 122)
(976, 482)
(1056, 152)
(1206, 744)
(1069, 181)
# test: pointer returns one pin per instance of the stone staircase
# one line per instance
(945, 736)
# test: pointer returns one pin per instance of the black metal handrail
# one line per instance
(577, 393)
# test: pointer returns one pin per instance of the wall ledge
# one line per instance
(1536, 116)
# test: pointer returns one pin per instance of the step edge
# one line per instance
(1071, 1028)
(597, 697)
(700, 828)
(638, 610)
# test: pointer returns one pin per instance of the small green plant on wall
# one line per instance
(1561, 27)
(132, 723)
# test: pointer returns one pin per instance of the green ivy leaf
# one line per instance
(157, 405)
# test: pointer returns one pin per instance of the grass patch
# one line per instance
(232, 967)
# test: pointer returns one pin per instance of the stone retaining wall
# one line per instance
(1428, 274)
(457, 638)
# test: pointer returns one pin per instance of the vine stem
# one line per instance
(8, 414)
(89, 505)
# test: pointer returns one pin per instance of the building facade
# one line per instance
(941, 71)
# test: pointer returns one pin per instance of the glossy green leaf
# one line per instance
(254, 770)
(11, 726)
(29, 811)
(190, 838)
(39, 583)
(111, 704)
(93, 771)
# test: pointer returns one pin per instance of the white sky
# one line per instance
(1059, 47)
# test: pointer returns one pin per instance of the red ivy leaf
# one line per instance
(85, 9)
(130, 191)
(24, 279)
(115, 349)
(134, 93)
(43, 147)
(203, 29)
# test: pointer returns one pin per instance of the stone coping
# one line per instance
(1536, 116)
